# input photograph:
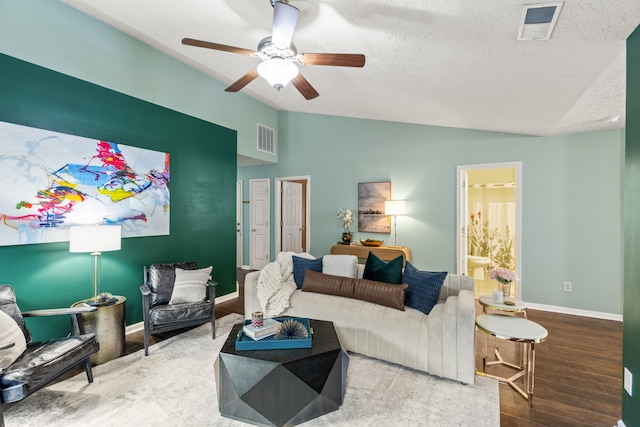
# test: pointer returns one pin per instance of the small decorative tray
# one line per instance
(244, 342)
(370, 242)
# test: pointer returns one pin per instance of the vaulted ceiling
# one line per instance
(454, 63)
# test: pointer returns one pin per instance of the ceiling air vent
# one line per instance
(538, 21)
(266, 139)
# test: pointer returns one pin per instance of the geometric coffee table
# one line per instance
(285, 386)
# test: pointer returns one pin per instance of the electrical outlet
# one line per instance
(567, 286)
(628, 381)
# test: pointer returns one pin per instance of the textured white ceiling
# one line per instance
(452, 63)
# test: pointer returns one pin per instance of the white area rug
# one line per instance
(175, 386)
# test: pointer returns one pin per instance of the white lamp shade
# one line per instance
(394, 207)
(94, 238)
(278, 72)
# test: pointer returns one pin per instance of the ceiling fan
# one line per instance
(279, 55)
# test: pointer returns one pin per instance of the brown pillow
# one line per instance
(386, 294)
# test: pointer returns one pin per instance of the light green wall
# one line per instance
(571, 195)
(58, 37)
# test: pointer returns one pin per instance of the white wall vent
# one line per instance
(538, 21)
(266, 139)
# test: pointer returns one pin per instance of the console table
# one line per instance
(386, 253)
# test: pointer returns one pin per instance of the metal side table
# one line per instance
(519, 330)
(107, 322)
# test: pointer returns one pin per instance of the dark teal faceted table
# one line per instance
(282, 387)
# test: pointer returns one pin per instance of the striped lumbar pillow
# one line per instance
(190, 285)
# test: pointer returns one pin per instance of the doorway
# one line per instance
(292, 214)
(489, 222)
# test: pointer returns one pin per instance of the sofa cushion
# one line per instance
(340, 265)
(161, 279)
(300, 266)
(381, 293)
(190, 285)
(10, 333)
(382, 271)
(424, 287)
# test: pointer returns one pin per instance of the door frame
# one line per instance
(239, 225)
(278, 210)
(461, 216)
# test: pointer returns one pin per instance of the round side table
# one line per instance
(107, 322)
(520, 330)
(516, 306)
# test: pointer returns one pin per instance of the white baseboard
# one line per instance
(620, 424)
(576, 312)
(136, 327)
(246, 267)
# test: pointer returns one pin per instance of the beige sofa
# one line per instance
(441, 343)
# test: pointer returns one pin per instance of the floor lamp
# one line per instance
(95, 239)
(394, 208)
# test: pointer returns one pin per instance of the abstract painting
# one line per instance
(50, 181)
(371, 198)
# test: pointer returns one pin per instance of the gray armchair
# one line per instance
(159, 316)
(42, 362)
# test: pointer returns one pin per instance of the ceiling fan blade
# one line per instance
(285, 18)
(243, 81)
(334, 59)
(304, 87)
(217, 46)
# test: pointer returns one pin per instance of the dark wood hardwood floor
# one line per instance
(578, 375)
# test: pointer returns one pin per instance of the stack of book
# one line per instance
(269, 328)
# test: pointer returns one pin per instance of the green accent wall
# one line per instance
(631, 325)
(203, 177)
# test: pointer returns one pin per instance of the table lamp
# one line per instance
(95, 239)
(394, 208)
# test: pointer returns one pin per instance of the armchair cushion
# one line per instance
(45, 360)
(161, 280)
(190, 285)
(174, 313)
(10, 332)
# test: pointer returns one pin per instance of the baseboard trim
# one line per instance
(246, 267)
(620, 423)
(137, 327)
(575, 312)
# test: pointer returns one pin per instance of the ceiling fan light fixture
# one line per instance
(278, 72)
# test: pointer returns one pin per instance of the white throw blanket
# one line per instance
(276, 284)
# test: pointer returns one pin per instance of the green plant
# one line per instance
(504, 254)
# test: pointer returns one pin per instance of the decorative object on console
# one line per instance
(371, 198)
(347, 218)
(381, 271)
(424, 288)
(371, 242)
(504, 276)
(394, 208)
(95, 239)
(301, 265)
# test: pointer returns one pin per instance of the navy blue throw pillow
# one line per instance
(300, 266)
(380, 271)
(424, 288)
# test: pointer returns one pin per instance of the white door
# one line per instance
(489, 218)
(259, 240)
(239, 220)
(292, 216)
(463, 220)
